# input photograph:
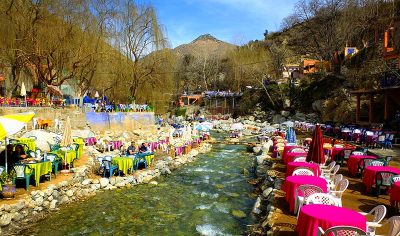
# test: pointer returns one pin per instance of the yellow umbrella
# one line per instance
(11, 124)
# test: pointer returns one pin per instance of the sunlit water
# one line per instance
(196, 199)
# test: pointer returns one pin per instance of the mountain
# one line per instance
(204, 44)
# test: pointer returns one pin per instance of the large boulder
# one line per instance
(104, 182)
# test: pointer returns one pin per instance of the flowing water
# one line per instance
(207, 197)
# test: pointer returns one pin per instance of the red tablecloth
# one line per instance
(293, 165)
(292, 182)
(370, 172)
(395, 193)
(352, 163)
(325, 216)
(289, 156)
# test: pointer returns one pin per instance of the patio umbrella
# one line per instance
(23, 91)
(11, 124)
(316, 150)
(237, 126)
(66, 139)
(290, 135)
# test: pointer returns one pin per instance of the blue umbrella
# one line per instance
(290, 135)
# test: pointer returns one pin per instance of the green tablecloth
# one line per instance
(41, 168)
(30, 142)
(124, 163)
(68, 158)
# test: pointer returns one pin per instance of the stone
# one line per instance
(104, 182)
(86, 182)
(50, 198)
(257, 205)
(95, 186)
(238, 214)
(261, 159)
(147, 179)
(18, 206)
(96, 181)
(52, 186)
(245, 171)
(39, 201)
(285, 113)
(16, 216)
(53, 204)
(5, 219)
(153, 182)
(120, 184)
(55, 193)
(256, 149)
(46, 204)
(69, 193)
(62, 184)
(267, 192)
(64, 199)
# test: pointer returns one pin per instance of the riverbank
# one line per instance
(83, 184)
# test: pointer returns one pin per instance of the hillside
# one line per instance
(204, 44)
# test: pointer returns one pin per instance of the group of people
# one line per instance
(14, 155)
(134, 149)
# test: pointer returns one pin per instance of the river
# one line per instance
(210, 196)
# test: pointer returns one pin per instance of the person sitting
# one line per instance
(18, 154)
(144, 148)
(132, 149)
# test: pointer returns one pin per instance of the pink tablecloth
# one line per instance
(116, 144)
(352, 163)
(292, 182)
(286, 149)
(370, 172)
(395, 193)
(289, 157)
(293, 165)
(325, 216)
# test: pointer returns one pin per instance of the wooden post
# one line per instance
(385, 116)
(371, 108)
(358, 109)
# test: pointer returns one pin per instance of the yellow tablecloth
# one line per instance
(81, 143)
(124, 163)
(41, 168)
(149, 159)
(30, 142)
(68, 158)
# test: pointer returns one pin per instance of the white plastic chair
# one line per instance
(378, 212)
(377, 163)
(300, 159)
(328, 167)
(331, 174)
(303, 171)
(394, 229)
(358, 153)
(333, 184)
(321, 198)
(338, 192)
(298, 150)
(341, 231)
(306, 190)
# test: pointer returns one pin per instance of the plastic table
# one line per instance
(40, 168)
(325, 216)
(124, 163)
(370, 172)
(292, 182)
(293, 165)
(352, 163)
(30, 142)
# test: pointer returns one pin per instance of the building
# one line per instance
(310, 66)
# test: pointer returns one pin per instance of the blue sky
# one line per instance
(233, 21)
